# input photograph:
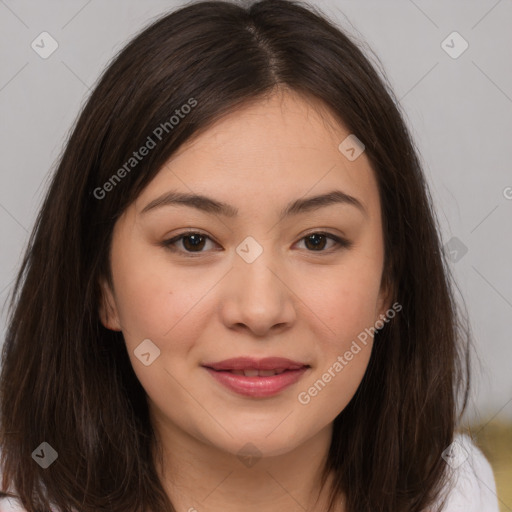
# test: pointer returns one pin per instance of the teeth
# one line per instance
(253, 372)
(267, 373)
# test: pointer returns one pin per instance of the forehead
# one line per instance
(285, 123)
(285, 143)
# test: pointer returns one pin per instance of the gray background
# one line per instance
(459, 111)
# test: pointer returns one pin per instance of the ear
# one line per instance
(107, 307)
(386, 294)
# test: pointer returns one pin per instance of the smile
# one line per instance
(257, 378)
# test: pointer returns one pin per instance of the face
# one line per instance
(205, 284)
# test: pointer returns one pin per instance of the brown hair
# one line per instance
(68, 381)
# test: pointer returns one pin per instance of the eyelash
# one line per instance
(169, 244)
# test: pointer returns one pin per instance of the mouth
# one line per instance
(257, 378)
(245, 363)
(253, 372)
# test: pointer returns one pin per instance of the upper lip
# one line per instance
(267, 363)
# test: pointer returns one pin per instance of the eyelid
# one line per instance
(169, 244)
(340, 241)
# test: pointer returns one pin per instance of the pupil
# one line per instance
(193, 237)
(316, 242)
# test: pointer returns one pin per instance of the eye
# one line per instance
(194, 242)
(317, 241)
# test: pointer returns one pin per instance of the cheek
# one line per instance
(343, 352)
(153, 304)
(333, 389)
(347, 303)
(151, 300)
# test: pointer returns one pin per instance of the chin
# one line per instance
(258, 444)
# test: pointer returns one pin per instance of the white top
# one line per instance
(474, 488)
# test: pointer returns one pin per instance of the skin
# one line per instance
(292, 301)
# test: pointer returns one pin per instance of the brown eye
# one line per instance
(195, 242)
(316, 242)
(192, 242)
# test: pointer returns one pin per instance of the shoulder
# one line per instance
(473, 488)
(10, 505)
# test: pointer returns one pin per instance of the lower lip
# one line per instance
(257, 387)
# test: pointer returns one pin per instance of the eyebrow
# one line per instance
(212, 206)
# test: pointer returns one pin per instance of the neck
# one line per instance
(198, 476)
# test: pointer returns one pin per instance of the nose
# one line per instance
(258, 296)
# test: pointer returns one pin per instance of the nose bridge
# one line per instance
(257, 296)
(255, 269)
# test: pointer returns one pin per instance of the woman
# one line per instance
(235, 295)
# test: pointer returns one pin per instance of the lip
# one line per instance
(267, 363)
(256, 386)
